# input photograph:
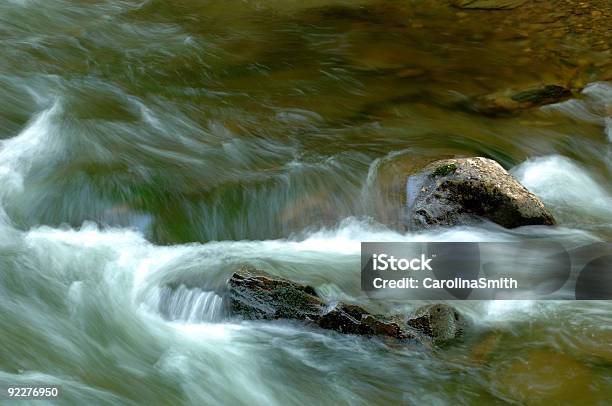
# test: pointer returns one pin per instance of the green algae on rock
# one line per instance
(444, 170)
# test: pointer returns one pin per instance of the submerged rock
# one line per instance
(463, 191)
(440, 322)
(506, 103)
(489, 4)
(255, 295)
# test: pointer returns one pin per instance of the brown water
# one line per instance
(154, 142)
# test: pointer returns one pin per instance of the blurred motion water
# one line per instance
(153, 144)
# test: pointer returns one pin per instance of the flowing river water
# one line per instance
(147, 144)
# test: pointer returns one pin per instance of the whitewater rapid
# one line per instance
(95, 298)
(317, 255)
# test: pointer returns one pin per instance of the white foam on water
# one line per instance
(192, 305)
(567, 188)
(504, 310)
(595, 106)
(127, 254)
(601, 94)
(205, 331)
(136, 268)
(37, 141)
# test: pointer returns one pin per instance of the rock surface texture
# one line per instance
(512, 102)
(255, 295)
(438, 321)
(466, 190)
(352, 319)
(489, 4)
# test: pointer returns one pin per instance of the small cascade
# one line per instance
(192, 305)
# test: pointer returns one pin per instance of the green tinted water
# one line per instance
(285, 130)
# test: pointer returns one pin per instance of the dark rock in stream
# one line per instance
(439, 321)
(255, 295)
(509, 102)
(352, 319)
(489, 4)
(463, 191)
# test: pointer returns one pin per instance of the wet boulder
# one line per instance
(511, 102)
(352, 319)
(439, 322)
(254, 294)
(466, 190)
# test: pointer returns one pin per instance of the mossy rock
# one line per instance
(256, 295)
(444, 170)
(466, 191)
